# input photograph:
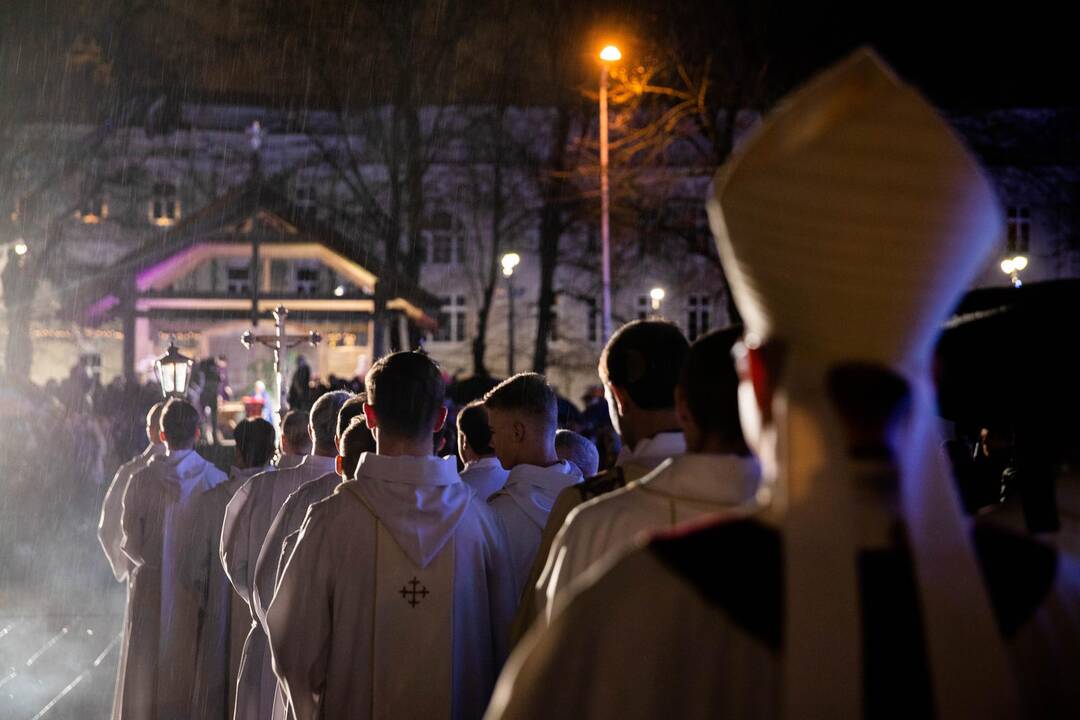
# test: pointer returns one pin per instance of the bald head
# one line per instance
(579, 450)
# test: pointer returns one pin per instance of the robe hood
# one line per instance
(420, 500)
(534, 488)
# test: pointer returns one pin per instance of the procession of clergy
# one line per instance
(778, 538)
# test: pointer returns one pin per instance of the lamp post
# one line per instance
(608, 55)
(278, 342)
(173, 371)
(509, 262)
(1012, 267)
(656, 296)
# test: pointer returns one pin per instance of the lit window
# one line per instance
(445, 237)
(1019, 230)
(451, 320)
(697, 316)
(238, 281)
(164, 205)
(93, 211)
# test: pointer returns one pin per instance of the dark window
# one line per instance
(445, 238)
(239, 282)
(451, 320)
(643, 306)
(164, 206)
(307, 281)
(1019, 229)
(697, 316)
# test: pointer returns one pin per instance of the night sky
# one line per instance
(960, 54)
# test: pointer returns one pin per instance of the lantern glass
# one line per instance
(174, 372)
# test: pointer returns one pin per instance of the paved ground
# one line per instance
(54, 666)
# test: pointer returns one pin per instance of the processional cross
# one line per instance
(279, 342)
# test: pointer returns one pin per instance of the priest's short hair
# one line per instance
(644, 358)
(710, 385)
(353, 408)
(324, 418)
(355, 441)
(179, 422)
(526, 393)
(254, 442)
(407, 391)
(579, 450)
(472, 424)
(294, 429)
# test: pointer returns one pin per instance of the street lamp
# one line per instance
(509, 262)
(608, 55)
(657, 297)
(173, 371)
(21, 248)
(1013, 266)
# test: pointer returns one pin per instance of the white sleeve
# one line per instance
(299, 620)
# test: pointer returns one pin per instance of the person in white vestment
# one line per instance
(717, 473)
(159, 661)
(247, 520)
(281, 537)
(523, 415)
(223, 616)
(639, 367)
(295, 442)
(483, 471)
(848, 224)
(110, 532)
(578, 449)
(392, 601)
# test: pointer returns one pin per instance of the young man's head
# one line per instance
(523, 416)
(579, 450)
(707, 396)
(153, 423)
(405, 393)
(179, 425)
(473, 433)
(295, 438)
(355, 441)
(323, 422)
(353, 408)
(640, 367)
(254, 443)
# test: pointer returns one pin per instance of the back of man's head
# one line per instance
(709, 387)
(353, 408)
(355, 441)
(153, 422)
(295, 438)
(324, 419)
(180, 424)
(579, 450)
(473, 429)
(254, 442)
(406, 391)
(644, 358)
(526, 395)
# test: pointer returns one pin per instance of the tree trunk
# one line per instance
(479, 345)
(551, 229)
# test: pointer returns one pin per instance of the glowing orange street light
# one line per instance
(608, 55)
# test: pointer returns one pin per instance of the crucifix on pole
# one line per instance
(279, 342)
